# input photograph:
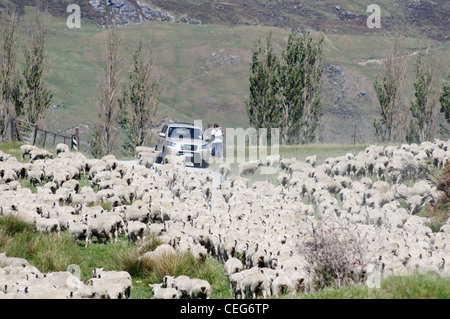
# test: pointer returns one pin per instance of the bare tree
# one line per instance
(104, 136)
(8, 76)
(141, 100)
(391, 125)
(335, 254)
(37, 98)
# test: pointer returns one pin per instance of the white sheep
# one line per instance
(135, 231)
(224, 171)
(62, 148)
(281, 285)
(181, 283)
(233, 265)
(47, 225)
(160, 292)
(26, 149)
(200, 289)
(102, 227)
(36, 154)
(119, 278)
(248, 167)
(255, 285)
(312, 160)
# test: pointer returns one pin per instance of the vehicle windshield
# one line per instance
(185, 132)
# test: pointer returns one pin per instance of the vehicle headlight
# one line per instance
(204, 146)
(171, 143)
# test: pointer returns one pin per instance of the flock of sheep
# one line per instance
(257, 230)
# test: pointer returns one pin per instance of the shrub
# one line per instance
(443, 183)
(335, 255)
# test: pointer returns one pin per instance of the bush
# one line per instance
(335, 255)
(443, 183)
(439, 212)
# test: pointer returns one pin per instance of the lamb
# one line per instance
(248, 167)
(181, 283)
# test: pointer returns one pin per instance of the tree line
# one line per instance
(285, 92)
(129, 106)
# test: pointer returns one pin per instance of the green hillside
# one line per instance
(204, 68)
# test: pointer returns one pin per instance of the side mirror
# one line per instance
(162, 134)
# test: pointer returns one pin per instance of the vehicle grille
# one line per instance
(188, 147)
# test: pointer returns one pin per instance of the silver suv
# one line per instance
(183, 139)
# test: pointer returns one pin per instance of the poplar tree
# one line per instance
(37, 97)
(140, 100)
(285, 89)
(390, 125)
(103, 139)
(263, 105)
(444, 99)
(424, 108)
(300, 81)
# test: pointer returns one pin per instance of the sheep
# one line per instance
(312, 160)
(26, 150)
(62, 148)
(37, 153)
(181, 283)
(78, 230)
(132, 213)
(135, 231)
(281, 285)
(273, 160)
(161, 251)
(160, 292)
(248, 167)
(255, 285)
(233, 265)
(224, 171)
(200, 289)
(120, 278)
(147, 159)
(47, 225)
(143, 149)
(100, 227)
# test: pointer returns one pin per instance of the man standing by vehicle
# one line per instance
(217, 141)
